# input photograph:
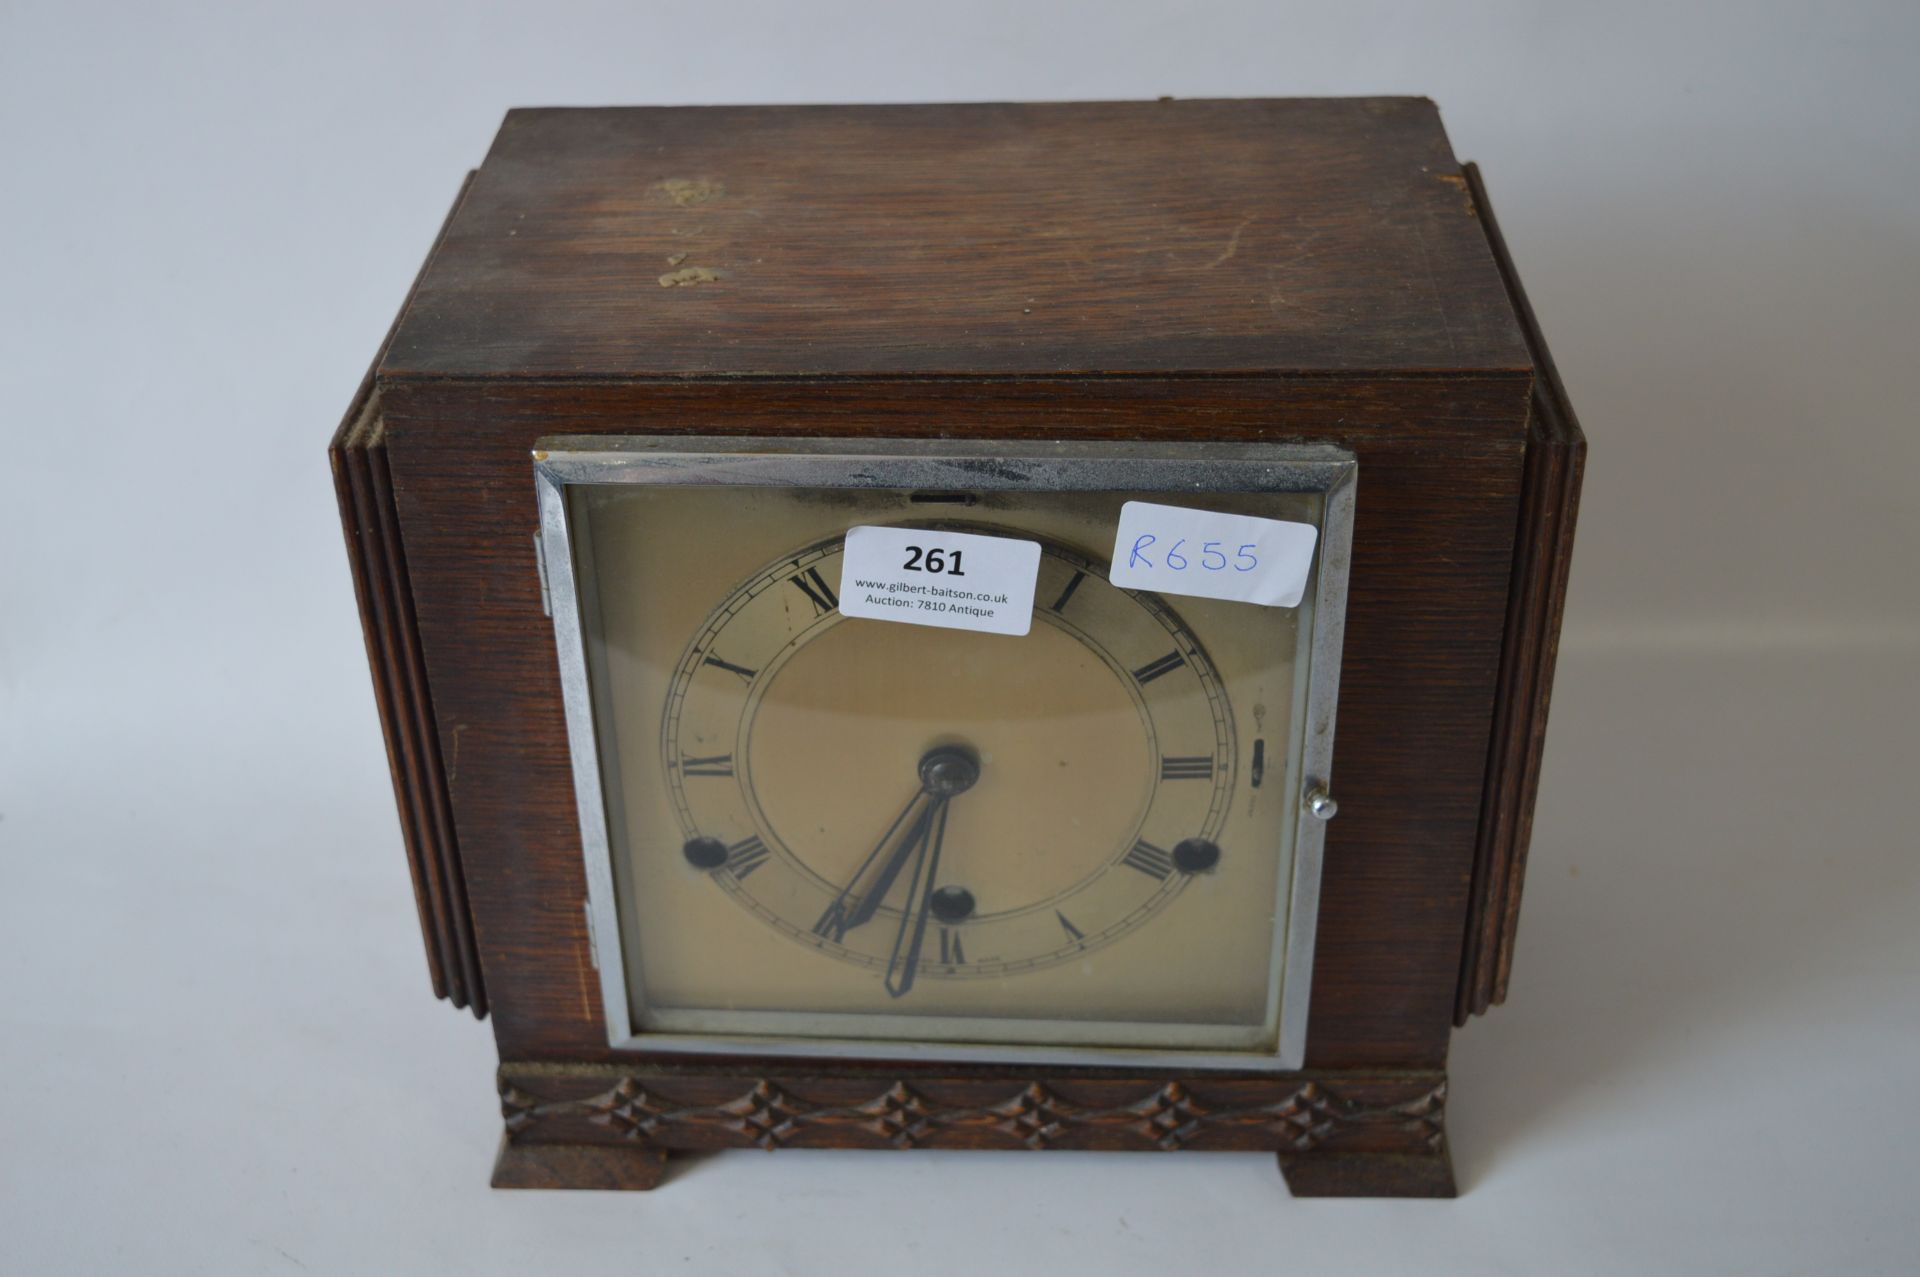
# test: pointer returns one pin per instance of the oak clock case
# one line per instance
(657, 875)
(807, 833)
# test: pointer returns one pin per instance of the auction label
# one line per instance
(1173, 550)
(955, 580)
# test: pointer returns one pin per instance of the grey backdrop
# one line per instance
(217, 1048)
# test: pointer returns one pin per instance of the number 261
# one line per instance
(934, 560)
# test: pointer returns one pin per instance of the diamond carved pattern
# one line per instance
(1170, 1117)
(520, 1110)
(628, 1109)
(1306, 1118)
(765, 1115)
(900, 1115)
(1425, 1117)
(1034, 1117)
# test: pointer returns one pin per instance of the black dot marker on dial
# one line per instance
(1196, 855)
(705, 853)
(951, 904)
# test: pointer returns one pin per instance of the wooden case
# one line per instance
(1205, 270)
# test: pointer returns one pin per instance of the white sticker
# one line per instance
(1173, 550)
(955, 580)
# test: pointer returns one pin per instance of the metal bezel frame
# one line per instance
(1186, 469)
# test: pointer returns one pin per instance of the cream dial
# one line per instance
(833, 828)
(938, 804)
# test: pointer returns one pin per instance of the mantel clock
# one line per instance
(981, 626)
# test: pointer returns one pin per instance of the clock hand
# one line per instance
(863, 906)
(905, 959)
(943, 773)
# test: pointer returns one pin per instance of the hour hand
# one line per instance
(860, 899)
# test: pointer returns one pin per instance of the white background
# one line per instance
(217, 1048)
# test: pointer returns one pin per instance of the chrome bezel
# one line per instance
(1186, 470)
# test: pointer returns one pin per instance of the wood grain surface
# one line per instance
(1537, 597)
(1283, 270)
(1379, 1133)
(873, 1106)
(1134, 237)
(382, 588)
(1426, 615)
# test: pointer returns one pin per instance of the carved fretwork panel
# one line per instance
(1374, 1112)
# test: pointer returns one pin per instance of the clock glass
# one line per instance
(810, 830)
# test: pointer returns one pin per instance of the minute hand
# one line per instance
(905, 959)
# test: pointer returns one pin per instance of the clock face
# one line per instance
(987, 833)
(823, 826)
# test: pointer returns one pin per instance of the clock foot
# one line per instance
(1368, 1174)
(633, 1167)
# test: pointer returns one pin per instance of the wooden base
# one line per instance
(629, 1167)
(1369, 1174)
(1338, 1134)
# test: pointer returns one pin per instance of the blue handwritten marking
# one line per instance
(1244, 559)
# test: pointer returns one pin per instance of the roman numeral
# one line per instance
(1154, 669)
(1198, 767)
(745, 673)
(950, 951)
(1148, 859)
(718, 765)
(746, 856)
(1066, 923)
(814, 586)
(1060, 604)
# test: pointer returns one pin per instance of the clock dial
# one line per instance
(969, 825)
(833, 827)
